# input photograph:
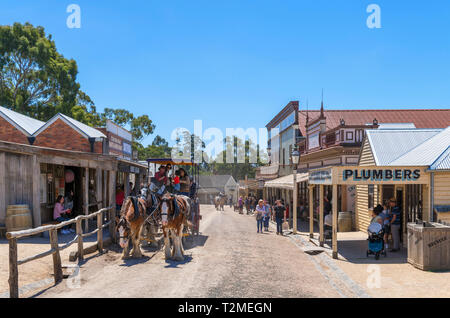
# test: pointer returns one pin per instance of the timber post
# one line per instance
(86, 197)
(13, 269)
(335, 221)
(311, 212)
(100, 232)
(57, 269)
(321, 226)
(80, 240)
(112, 224)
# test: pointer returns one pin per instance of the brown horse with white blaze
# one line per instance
(173, 224)
(130, 226)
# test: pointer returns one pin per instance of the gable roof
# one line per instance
(443, 162)
(83, 129)
(388, 145)
(24, 123)
(421, 118)
(426, 153)
(217, 182)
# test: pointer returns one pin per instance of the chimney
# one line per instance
(92, 142)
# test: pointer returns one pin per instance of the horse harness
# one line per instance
(177, 203)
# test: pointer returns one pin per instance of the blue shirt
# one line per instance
(396, 211)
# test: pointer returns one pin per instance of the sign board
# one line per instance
(118, 131)
(320, 177)
(369, 175)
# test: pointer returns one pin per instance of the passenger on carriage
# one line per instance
(160, 181)
(185, 182)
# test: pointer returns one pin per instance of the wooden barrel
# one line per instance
(18, 217)
(345, 222)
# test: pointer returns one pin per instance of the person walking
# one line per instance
(241, 204)
(266, 215)
(395, 223)
(279, 216)
(260, 210)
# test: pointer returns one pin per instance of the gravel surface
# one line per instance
(228, 259)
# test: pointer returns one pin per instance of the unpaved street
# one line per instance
(228, 259)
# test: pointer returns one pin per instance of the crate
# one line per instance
(429, 246)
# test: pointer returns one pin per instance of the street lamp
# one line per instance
(295, 160)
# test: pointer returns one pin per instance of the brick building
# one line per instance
(18, 128)
(60, 132)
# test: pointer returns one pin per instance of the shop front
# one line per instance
(409, 185)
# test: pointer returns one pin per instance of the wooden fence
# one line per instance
(55, 248)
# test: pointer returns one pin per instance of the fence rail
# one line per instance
(55, 248)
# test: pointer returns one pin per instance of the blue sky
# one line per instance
(236, 63)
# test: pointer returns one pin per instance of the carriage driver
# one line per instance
(160, 180)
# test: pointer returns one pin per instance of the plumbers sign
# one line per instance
(380, 175)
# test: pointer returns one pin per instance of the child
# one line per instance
(386, 223)
(176, 181)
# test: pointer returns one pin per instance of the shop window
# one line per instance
(371, 196)
(50, 189)
(43, 188)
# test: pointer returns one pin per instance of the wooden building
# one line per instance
(35, 176)
(410, 165)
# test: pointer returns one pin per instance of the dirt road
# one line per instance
(228, 259)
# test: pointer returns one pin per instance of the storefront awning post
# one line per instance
(86, 197)
(321, 225)
(335, 221)
(311, 212)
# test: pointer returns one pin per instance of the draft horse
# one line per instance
(220, 202)
(130, 224)
(175, 212)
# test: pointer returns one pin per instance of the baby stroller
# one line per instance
(376, 241)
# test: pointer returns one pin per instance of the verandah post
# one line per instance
(321, 229)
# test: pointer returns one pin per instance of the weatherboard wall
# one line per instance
(363, 216)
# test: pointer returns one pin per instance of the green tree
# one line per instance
(35, 79)
(242, 153)
(158, 149)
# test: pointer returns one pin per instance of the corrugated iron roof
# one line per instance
(426, 153)
(388, 145)
(26, 124)
(421, 118)
(82, 128)
(443, 162)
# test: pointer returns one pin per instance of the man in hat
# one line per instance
(395, 224)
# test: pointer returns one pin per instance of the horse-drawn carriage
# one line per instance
(194, 170)
(160, 212)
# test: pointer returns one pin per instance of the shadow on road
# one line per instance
(194, 241)
(135, 261)
(174, 264)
